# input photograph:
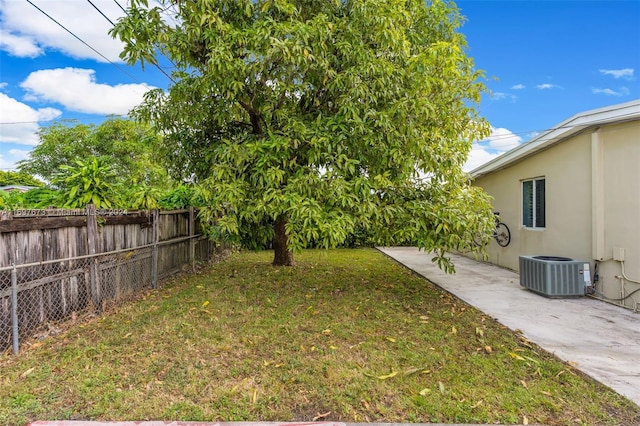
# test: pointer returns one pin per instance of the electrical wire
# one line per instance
(122, 8)
(101, 13)
(632, 124)
(89, 46)
(511, 134)
(155, 64)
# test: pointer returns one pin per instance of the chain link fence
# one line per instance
(35, 297)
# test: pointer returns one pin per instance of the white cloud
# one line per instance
(8, 162)
(3, 85)
(27, 31)
(626, 73)
(78, 90)
(622, 91)
(20, 121)
(518, 87)
(22, 46)
(547, 86)
(502, 139)
(478, 157)
(501, 95)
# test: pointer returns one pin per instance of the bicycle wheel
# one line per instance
(502, 235)
(479, 240)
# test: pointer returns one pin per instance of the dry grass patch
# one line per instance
(345, 335)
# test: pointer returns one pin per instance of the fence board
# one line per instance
(63, 270)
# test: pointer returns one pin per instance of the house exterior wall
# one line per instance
(568, 169)
(621, 176)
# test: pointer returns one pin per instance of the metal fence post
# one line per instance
(192, 241)
(14, 310)
(154, 254)
(92, 242)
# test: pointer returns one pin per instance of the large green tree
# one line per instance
(302, 119)
(127, 146)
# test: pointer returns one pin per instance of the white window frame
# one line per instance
(534, 190)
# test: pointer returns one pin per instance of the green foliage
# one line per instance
(10, 200)
(41, 198)
(87, 182)
(180, 197)
(143, 197)
(18, 178)
(126, 145)
(326, 116)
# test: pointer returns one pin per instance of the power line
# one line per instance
(89, 46)
(122, 8)
(539, 132)
(113, 24)
(499, 137)
(101, 13)
(71, 119)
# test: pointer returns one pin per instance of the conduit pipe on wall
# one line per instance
(618, 301)
(597, 196)
(623, 277)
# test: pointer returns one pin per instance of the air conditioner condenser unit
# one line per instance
(555, 276)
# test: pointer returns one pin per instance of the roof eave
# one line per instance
(617, 113)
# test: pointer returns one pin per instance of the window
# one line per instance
(533, 206)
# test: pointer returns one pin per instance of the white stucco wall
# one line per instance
(622, 206)
(567, 168)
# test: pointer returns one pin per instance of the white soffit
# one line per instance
(611, 114)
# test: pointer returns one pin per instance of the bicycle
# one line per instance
(500, 233)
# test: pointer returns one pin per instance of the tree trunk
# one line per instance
(282, 255)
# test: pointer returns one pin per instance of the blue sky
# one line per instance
(544, 62)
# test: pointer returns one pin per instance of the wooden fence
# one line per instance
(57, 263)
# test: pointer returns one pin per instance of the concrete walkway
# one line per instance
(598, 338)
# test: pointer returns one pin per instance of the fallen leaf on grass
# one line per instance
(425, 391)
(388, 376)
(524, 384)
(488, 349)
(454, 330)
(365, 403)
(26, 373)
(477, 404)
(411, 371)
(127, 335)
(479, 332)
(391, 339)
(441, 387)
(525, 420)
(205, 304)
(516, 356)
(321, 416)
(546, 393)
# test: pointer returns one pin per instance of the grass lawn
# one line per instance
(345, 335)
